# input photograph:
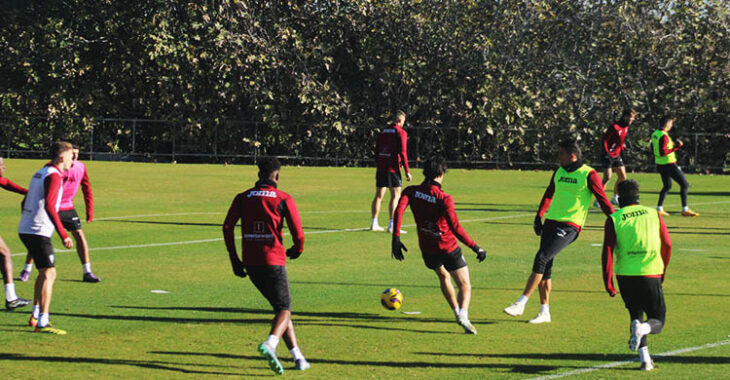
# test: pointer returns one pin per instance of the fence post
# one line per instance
(91, 143)
(134, 135)
(172, 129)
(696, 153)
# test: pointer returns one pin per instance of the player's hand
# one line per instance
(397, 249)
(612, 293)
(89, 218)
(680, 143)
(239, 271)
(293, 253)
(68, 243)
(481, 253)
(537, 225)
(409, 177)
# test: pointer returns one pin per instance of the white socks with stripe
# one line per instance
(10, 292)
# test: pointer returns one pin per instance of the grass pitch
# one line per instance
(158, 228)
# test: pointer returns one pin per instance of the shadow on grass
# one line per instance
(153, 364)
(191, 224)
(590, 357)
(516, 368)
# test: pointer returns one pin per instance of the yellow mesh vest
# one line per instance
(658, 158)
(572, 198)
(638, 244)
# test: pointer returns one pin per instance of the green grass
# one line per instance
(211, 321)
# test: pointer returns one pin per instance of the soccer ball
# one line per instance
(391, 298)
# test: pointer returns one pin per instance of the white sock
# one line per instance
(28, 268)
(296, 354)
(44, 319)
(36, 311)
(685, 208)
(375, 222)
(523, 299)
(390, 224)
(660, 208)
(544, 309)
(272, 341)
(87, 268)
(10, 292)
(644, 328)
(644, 354)
(615, 197)
(457, 311)
(464, 314)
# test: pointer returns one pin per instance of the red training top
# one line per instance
(433, 209)
(391, 150)
(262, 210)
(609, 242)
(663, 142)
(613, 139)
(12, 186)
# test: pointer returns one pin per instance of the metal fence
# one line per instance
(232, 141)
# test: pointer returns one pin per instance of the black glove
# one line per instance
(397, 246)
(537, 225)
(293, 253)
(481, 253)
(239, 271)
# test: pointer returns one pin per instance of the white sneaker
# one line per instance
(515, 309)
(647, 366)
(541, 318)
(376, 227)
(390, 231)
(635, 338)
(614, 201)
(468, 327)
(302, 364)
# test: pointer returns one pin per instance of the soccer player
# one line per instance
(262, 210)
(12, 301)
(39, 219)
(390, 154)
(612, 143)
(666, 164)
(636, 246)
(438, 231)
(72, 179)
(566, 201)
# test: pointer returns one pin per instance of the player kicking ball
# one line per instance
(565, 206)
(636, 246)
(438, 231)
(262, 210)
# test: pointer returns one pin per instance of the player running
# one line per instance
(636, 246)
(566, 201)
(438, 231)
(262, 210)
(666, 164)
(390, 154)
(39, 219)
(72, 179)
(612, 143)
(12, 301)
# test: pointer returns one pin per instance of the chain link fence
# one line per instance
(243, 142)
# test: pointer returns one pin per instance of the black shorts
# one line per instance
(555, 237)
(643, 295)
(451, 261)
(388, 179)
(272, 282)
(611, 162)
(40, 249)
(70, 220)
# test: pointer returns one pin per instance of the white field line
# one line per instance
(185, 242)
(217, 213)
(693, 204)
(618, 364)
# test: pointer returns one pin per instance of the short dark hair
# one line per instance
(398, 114)
(627, 113)
(58, 147)
(665, 119)
(268, 165)
(571, 146)
(434, 166)
(628, 192)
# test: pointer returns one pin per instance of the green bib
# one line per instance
(638, 245)
(572, 198)
(658, 158)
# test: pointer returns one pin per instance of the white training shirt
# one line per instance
(35, 220)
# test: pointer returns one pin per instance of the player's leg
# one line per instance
(273, 283)
(447, 289)
(620, 177)
(25, 272)
(375, 208)
(82, 249)
(394, 197)
(656, 310)
(545, 286)
(666, 186)
(290, 339)
(607, 163)
(12, 301)
(461, 277)
(678, 176)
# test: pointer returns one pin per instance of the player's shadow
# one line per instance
(150, 318)
(590, 357)
(146, 364)
(692, 193)
(492, 207)
(516, 368)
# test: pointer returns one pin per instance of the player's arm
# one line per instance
(294, 222)
(453, 221)
(404, 152)
(12, 186)
(396, 246)
(604, 138)
(547, 198)
(666, 245)
(663, 146)
(595, 185)
(88, 196)
(609, 242)
(229, 236)
(51, 188)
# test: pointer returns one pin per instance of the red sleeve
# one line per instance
(596, 186)
(294, 222)
(229, 236)
(453, 222)
(404, 149)
(11, 186)
(88, 196)
(398, 213)
(547, 198)
(51, 187)
(663, 150)
(609, 242)
(666, 244)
